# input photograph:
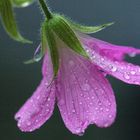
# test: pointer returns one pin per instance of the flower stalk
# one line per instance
(45, 9)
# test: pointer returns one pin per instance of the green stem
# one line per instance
(45, 9)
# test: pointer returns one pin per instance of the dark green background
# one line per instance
(18, 81)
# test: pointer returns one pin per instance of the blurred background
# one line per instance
(18, 81)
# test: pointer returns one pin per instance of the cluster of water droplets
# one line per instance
(121, 70)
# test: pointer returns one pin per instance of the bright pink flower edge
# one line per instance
(82, 92)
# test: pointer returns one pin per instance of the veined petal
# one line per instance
(110, 57)
(84, 95)
(39, 107)
(114, 52)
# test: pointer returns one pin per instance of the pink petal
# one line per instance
(111, 60)
(39, 107)
(84, 95)
(114, 52)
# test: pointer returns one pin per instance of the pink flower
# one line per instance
(81, 90)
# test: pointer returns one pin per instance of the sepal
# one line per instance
(64, 31)
(52, 47)
(88, 29)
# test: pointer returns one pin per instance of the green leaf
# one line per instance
(52, 48)
(22, 3)
(7, 16)
(88, 29)
(65, 33)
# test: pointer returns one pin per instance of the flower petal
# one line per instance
(114, 52)
(110, 59)
(84, 95)
(39, 107)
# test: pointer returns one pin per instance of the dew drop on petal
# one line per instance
(113, 69)
(101, 109)
(133, 72)
(73, 111)
(28, 123)
(126, 76)
(71, 63)
(133, 54)
(107, 110)
(96, 108)
(92, 97)
(80, 103)
(110, 116)
(86, 87)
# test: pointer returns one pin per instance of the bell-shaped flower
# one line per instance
(74, 73)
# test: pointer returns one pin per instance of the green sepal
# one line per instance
(66, 34)
(43, 38)
(22, 3)
(88, 29)
(52, 46)
(7, 16)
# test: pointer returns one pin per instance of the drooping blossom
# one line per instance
(80, 89)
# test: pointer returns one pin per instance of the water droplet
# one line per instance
(114, 69)
(101, 109)
(30, 130)
(110, 116)
(38, 97)
(36, 121)
(133, 54)
(107, 109)
(102, 59)
(91, 103)
(133, 72)
(49, 99)
(81, 94)
(19, 124)
(109, 103)
(126, 76)
(28, 123)
(73, 111)
(71, 63)
(46, 84)
(106, 125)
(92, 97)
(137, 83)
(86, 87)
(93, 57)
(87, 51)
(80, 103)
(96, 108)
(78, 131)
(31, 100)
